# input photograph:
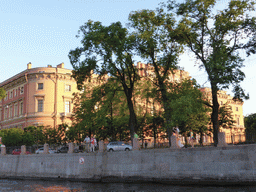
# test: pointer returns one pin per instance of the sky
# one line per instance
(43, 33)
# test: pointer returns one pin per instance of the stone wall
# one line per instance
(199, 165)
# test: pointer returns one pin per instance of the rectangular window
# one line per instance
(10, 111)
(15, 110)
(0, 114)
(15, 92)
(67, 106)
(67, 88)
(40, 104)
(236, 108)
(21, 90)
(21, 108)
(237, 121)
(11, 95)
(40, 86)
(5, 112)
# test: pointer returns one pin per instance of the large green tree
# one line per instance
(107, 50)
(156, 43)
(215, 37)
(102, 110)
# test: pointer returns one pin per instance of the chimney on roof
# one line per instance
(29, 65)
(60, 65)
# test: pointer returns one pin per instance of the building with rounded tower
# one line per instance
(37, 96)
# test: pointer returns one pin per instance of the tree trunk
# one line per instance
(167, 116)
(132, 119)
(201, 138)
(186, 140)
(215, 113)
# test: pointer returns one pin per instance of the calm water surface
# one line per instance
(34, 185)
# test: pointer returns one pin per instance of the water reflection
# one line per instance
(65, 186)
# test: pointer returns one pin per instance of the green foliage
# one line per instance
(101, 110)
(37, 133)
(56, 135)
(188, 107)
(34, 135)
(250, 123)
(2, 93)
(225, 117)
(12, 137)
(28, 139)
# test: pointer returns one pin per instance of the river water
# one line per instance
(65, 186)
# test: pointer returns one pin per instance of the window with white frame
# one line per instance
(40, 86)
(15, 92)
(67, 87)
(11, 95)
(40, 105)
(67, 106)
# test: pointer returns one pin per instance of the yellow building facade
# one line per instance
(38, 96)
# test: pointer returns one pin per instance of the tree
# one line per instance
(156, 42)
(226, 119)
(107, 50)
(250, 127)
(13, 137)
(2, 93)
(215, 37)
(28, 139)
(37, 133)
(189, 111)
(102, 110)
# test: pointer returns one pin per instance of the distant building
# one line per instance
(37, 96)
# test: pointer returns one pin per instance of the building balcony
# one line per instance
(66, 114)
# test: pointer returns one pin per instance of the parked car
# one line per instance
(64, 149)
(18, 152)
(41, 150)
(118, 146)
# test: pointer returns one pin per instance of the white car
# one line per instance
(41, 150)
(118, 146)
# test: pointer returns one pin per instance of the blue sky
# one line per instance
(43, 32)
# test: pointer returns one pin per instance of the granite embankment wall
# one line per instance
(208, 165)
